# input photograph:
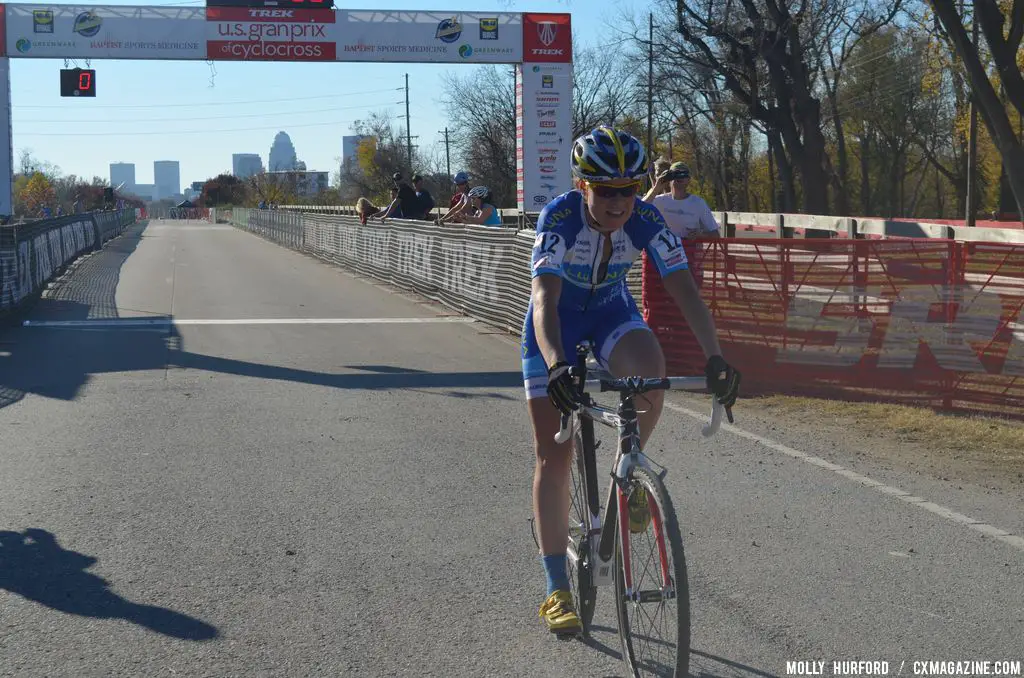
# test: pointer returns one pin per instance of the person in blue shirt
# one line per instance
(587, 240)
(481, 208)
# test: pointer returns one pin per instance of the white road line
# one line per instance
(164, 322)
(941, 511)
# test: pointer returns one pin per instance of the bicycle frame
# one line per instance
(625, 421)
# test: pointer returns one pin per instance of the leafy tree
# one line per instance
(38, 193)
(223, 190)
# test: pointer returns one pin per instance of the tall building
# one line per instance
(122, 173)
(349, 148)
(302, 183)
(282, 154)
(244, 165)
(166, 178)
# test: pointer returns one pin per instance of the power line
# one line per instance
(227, 103)
(212, 117)
(173, 132)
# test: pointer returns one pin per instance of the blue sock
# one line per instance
(554, 568)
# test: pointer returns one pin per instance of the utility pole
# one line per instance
(650, 84)
(408, 132)
(972, 144)
(447, 153)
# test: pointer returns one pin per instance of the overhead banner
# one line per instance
(110, 32)
(544, 128)
(461, 37)
(271, 34)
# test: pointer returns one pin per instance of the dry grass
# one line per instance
(994, 442)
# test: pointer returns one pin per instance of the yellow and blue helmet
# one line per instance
(608, 154)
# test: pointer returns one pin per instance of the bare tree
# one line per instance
(482, 109)
(1004, 48)
(762, 52)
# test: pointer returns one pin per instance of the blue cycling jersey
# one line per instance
(566, 245)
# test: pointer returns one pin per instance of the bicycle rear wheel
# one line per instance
(654, 616)
(578, 551)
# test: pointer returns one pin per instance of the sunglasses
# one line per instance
(606, 191)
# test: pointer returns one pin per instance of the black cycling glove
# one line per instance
(561, 388)
(723, 380)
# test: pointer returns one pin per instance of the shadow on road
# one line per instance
(702, 664)
(33, 565)
(56, 362)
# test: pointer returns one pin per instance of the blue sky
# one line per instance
(181, 117)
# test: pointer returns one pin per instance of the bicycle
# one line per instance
(598, 543)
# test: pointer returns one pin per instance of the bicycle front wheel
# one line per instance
(584, 592)
(653, 607)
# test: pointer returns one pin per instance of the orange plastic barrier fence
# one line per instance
(933, 322)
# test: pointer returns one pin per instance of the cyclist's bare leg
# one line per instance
(638, 354)
(550, 478)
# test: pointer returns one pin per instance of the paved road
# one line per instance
(215, 498)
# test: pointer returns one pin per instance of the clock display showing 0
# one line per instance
(278, 4)
(77, 82)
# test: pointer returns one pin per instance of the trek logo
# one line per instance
(547, 123)
(271, 13)
(547, 37)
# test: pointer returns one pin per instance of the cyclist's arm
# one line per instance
(550, 247)
(683, 290)
(547, 288)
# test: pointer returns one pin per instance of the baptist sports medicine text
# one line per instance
(917, 668)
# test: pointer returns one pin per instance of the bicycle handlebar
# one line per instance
(639, 385)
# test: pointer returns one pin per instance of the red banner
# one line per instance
(547, 38)
(935, 322)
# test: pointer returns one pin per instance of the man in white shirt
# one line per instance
(687, 215)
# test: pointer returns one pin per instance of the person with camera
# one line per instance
(687, 215)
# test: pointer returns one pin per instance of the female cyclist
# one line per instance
(587, 240)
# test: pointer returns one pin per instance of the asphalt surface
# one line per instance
(353, 499)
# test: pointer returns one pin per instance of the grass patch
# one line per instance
(999, 442)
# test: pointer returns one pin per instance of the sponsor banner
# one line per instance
(461, 37)
(271, 34)
(105, 32)
(544, 132)
(547, 38)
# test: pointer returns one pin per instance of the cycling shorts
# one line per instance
(603, 329)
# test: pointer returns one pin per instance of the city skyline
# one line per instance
(282, 157)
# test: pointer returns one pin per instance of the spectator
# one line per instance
(687, 215)
(394, 208)
(424, 201)
(79, 207)
(407, 200)
(459, 202)
(365, 209)
(482, 209)
(661, 167)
